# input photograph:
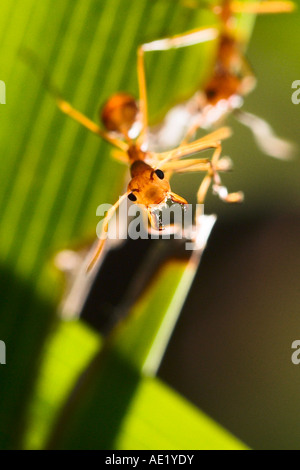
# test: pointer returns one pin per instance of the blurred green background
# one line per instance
(231, 350)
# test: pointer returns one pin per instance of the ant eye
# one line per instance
(160, 174)
(132, 197)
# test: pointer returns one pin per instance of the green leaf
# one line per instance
(160, 419)
(114, 404)
(66, 355)
(153, 416)
(53, 173)
(156, 418)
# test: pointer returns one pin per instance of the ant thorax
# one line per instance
(135, 154)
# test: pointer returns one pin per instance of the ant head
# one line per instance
(150, 187)
(120, 113)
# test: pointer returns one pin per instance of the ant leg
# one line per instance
(181, 40)
(214, 177)
(219, 134)
(119, 156)
(262, 7)
(104, 230)
(204, 186)
(34, 62)
(265, 137)
(68, 109)
(190, 38)
(204, 143)
(198, 164)
(143, 101)
(191, 165)
(192, 130)
(265, 6)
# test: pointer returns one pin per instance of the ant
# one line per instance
(231, 80)
(150, 171)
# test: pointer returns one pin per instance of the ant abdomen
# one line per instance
(119, 113)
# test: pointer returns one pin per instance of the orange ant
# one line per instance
(150, 171)
(232, 79)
